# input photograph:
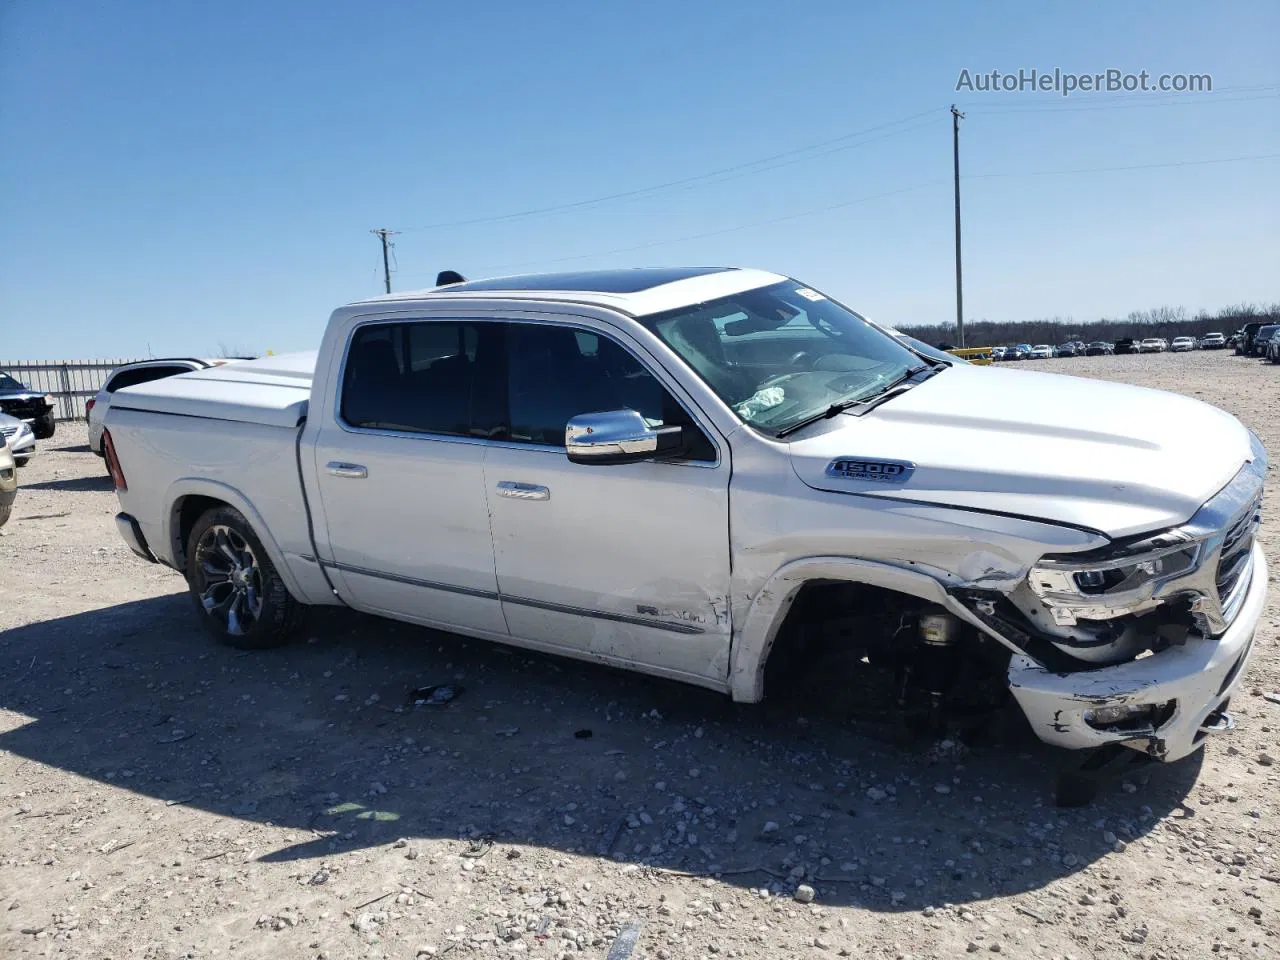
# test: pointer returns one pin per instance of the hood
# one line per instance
(1104, 456)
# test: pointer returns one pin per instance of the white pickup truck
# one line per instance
(713, 475)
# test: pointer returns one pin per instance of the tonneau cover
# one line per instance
(273, 391)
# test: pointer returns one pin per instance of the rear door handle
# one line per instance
(522, 491)
(341, 469)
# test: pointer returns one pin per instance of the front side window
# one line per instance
(780, 354)
(9, 384)
(425, 377)
(556, 373)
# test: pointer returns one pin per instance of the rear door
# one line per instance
(628, 562)
(401, 475)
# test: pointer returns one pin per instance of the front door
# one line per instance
(401, 474)
(626, 563)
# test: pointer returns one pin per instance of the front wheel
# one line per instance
(21, 461)
(242, 600)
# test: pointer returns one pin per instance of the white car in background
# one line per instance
(1213, 341)
(1042, 351)
(19, 437)
(132, 374)
(1182, 344)
(1153, 345)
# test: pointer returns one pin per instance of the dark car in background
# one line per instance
(1261, 338)
(1098, 349)
(1125, 345)
(1244, 343)
(30, 405)
(1067, 350)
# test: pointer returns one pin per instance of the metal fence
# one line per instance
(71, 382)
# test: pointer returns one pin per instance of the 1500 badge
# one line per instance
(881, 471)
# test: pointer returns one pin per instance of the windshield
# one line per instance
(8, 383)
(781, 354)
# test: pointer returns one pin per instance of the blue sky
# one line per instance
(177, 176)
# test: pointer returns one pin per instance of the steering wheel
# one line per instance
(801, 359)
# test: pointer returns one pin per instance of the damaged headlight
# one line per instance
(1118, 580)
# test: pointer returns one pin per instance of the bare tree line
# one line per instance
(1167, 322)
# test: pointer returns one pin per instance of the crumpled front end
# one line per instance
(1157, 629)
(1164, 704)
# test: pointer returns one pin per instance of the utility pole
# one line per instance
(956, 117)
(383, 233)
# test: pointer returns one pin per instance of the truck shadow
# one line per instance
(541, 752)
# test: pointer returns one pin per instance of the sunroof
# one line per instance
(596, 281)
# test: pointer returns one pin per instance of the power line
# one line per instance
(1138, 166)
(1152, 98)
(625, 194)
(721, 232)
(826, 208)
(1182, 100)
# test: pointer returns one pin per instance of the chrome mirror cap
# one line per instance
(618, 436)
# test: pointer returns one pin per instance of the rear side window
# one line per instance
(425, 377)
(131, 378)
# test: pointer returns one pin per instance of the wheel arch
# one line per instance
(189, 498)
(773, 602)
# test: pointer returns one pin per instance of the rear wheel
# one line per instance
(242, 600)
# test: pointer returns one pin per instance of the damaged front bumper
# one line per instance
(1178, 696)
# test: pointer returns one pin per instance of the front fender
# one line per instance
(769, 609)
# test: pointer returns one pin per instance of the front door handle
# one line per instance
(522, 491)
(340, 468)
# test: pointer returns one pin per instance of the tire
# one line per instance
(236, 590)
(6, 508)
(44, 427)
(21, 461)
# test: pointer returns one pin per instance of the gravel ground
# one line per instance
(161, 796)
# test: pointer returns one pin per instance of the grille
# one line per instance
(1237, 547)
(8, 431)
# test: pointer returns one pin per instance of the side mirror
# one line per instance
(619, 436)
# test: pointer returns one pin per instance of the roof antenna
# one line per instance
(446, 277)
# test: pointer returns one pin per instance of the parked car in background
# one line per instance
(1153, 345)
(1258, 348)
(999, 353)
(30, 405)
(1182, 345)
(1022, 351)
(1042, 351)
(1244, 341)
(131, 374)
(1098, 348)
(1273, 349)
(19, 437)
(8, 481)
(1213, 341)
(1067, 350)
(1125, 345)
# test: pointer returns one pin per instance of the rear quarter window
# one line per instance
(131, 378)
